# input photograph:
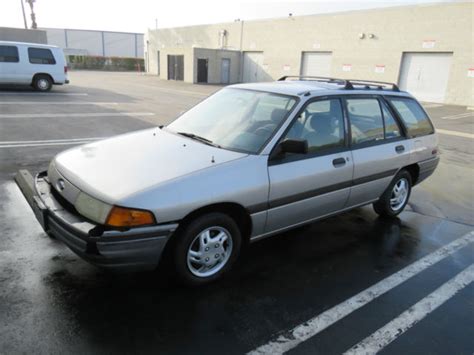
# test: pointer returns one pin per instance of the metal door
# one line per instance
(175, 67)
(425, 75)
(225, 71)
(202, 66)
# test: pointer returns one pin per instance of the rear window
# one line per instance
(415, 119)
(9, 54)
(41, 56)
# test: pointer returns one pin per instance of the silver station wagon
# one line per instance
(250, 161)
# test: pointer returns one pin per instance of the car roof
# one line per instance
(323, 87)
(38, 45)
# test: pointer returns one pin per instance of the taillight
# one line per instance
(65, 69)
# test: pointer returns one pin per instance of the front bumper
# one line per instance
(132, 249)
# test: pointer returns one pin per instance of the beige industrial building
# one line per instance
(426, 49)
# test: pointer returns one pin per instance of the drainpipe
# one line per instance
(240, 50)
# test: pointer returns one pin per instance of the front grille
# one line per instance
(68, 206)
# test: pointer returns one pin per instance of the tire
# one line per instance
(194, 258)
(42, 83)
(387, 208)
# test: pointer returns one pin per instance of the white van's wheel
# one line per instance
(42, 83)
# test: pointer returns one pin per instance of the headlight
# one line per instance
(91, 208)
(127, 217)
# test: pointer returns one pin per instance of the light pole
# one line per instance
(33, 16)
(24, 15)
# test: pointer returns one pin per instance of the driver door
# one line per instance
(304, 187)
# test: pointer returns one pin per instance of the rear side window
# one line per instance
(415, 119)
(9, 54)
(41, 56)
(391, 126)
(366, 120)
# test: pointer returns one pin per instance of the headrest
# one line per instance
(278, 114)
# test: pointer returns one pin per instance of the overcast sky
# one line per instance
(138, 15)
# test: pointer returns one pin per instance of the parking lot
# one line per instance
(354, 282)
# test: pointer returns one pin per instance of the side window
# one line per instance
(9, 54)
(366, 120)
(41, 56)
(321, 124)
(413, 116)
(392, 130)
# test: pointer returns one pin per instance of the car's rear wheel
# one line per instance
(395, 198)
(206, 248)
(42, 83)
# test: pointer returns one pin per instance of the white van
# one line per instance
(38, 65)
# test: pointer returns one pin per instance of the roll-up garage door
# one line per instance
(316, 64)
(425, 75)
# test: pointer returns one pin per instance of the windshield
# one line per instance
(235, 119)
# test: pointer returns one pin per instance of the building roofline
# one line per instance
(335, 13)
(78, 29)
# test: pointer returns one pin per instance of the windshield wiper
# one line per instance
(199, 138)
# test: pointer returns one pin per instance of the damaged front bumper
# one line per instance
(131, 249)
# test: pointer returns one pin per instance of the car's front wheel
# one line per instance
(206, 248)
(395, 198)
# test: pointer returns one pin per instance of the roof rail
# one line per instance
(314, 78)
(368, 84)
(348, 83)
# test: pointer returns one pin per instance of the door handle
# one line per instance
(339, 162)
(399, 148)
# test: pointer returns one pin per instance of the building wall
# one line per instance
(22, 35)
(97, 43)
(396, 30)
(215, 57)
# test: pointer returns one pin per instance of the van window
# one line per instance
(9, 54)
(41, 56)
(415, 119)
(366, 120)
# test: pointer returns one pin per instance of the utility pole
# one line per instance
(24, 15)
(33, 16)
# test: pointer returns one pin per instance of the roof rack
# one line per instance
(323, 79)
(369, 84)
(348, 83)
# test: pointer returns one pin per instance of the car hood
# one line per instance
(115, 168)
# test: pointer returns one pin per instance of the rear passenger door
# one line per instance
(42, 60)
(418, 126)
(379, 147)
(307, 186)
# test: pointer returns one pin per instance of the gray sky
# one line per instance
(138, 15)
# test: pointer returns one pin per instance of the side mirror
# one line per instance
(294, 146)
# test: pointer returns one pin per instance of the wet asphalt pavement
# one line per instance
(53, 302)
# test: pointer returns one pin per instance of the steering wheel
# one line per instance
(264, 131)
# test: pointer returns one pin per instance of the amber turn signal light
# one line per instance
(126, 217)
